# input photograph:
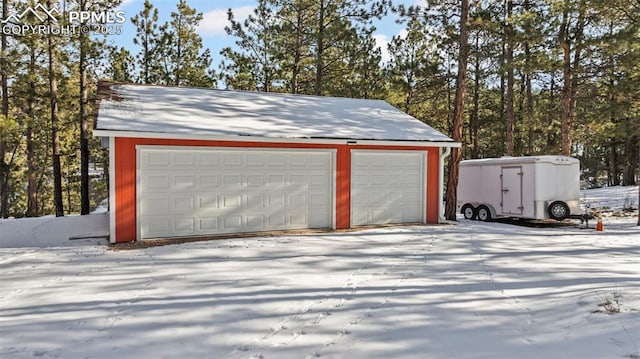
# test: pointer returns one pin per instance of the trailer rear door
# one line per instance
(511, 190)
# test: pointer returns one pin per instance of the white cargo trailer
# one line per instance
(535, 187)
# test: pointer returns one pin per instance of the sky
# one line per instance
(211, 28)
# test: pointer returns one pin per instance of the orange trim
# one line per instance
(343, 187)
(433, 183)
(125, 177)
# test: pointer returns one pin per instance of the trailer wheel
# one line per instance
(558, 210)
(468, 212)
(484, 214)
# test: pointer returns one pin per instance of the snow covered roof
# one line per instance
(223, 113)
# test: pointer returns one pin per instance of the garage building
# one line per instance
(188, 162)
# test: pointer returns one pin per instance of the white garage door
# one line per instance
(387, 187)
(187, 191)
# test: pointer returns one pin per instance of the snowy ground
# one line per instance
(465, 290)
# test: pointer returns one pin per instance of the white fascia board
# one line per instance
(179, 136)
(112, 190)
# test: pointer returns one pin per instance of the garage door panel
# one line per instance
(232, 159)
(208, 201)
(157, 182)
(255, 160)
(318, 180)
(216, 190)
(379, 179)
(276, 200)
(387, 187)
(255, 222)
(232, 182)
(232, 223)
(359, 218)
(254, 201)
(297, 199)
(154, 226)
(183, 159)
(157, 160)
(298, 219)
(181, 183)
(208, 181)
(155, 204)
(277, 181)
(231, 201)
(255, 181)
(276, 221)
(382, 216)
(318, 200)
(184, 225)
(317, 218)
(298, 162)
(209, 160)
(208, 224)
(181, 203)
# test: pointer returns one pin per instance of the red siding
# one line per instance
(125, 177)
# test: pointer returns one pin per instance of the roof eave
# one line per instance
(239, 138)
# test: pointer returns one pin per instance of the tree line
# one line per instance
(502, 77)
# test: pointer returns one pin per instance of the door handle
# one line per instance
(505, 190)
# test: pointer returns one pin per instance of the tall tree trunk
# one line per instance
(179, 50)
(531, 131)
(632, 153)
(320, 49)
(84, 120)
(456, 155)
(565, 43)
(569, 69)
(510, 115)
(32, 194)
(4, 167)
(615, 164)
(475, 117)
(503, 86)
(55, 137)
(145, 58)
(297, 53)
(408, 98)
(551, 113)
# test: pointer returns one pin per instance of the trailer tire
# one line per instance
(469, 212)
(558, 210)
(483, 213)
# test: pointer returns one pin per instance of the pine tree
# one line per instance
(55, 137)
(412, 65)
(121, 65)
(338, 22)
(509, 34)
(84, 43)
(184, 62)
(255, 66)
(456, 153)
(146, 23)
(294, 41)
(87, 48)
(4, 118)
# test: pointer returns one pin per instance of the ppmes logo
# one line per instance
(39, 11)
(99, 22)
